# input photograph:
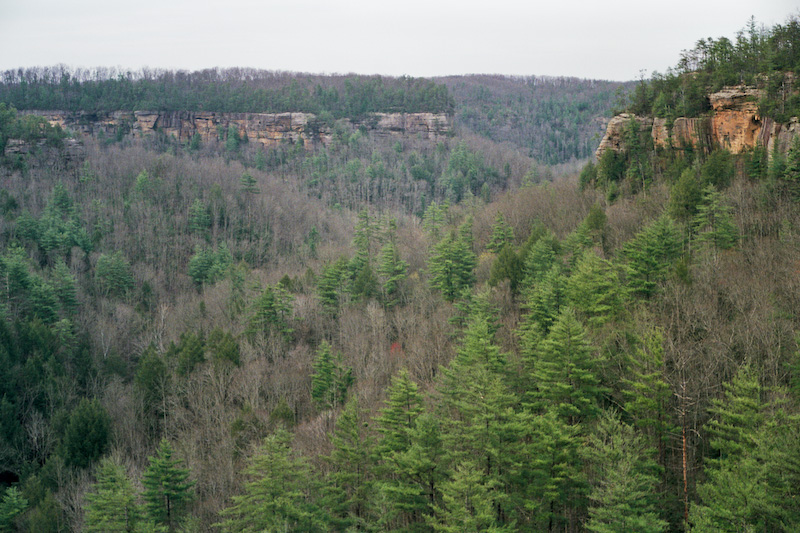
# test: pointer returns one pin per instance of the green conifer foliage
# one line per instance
(351, 480)
(331, 379)
(623, 494)
(452, 264)
(502, 234)
(12, 505)
(280, 494)
(651, 254)
(734, 494)
(593, 290)
(271, 312)
(713, 224)
(565, 373)
(113, 274)
(112, 504)
(392, 270)
(87, 435)
(332, 285)
(167, 488)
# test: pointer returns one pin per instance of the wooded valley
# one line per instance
(390, 333)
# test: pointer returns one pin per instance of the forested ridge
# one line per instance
(390, 334)
(554, 119)
(221, 90)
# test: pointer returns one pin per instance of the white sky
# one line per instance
(602, 39)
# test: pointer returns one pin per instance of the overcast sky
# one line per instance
(602, 39)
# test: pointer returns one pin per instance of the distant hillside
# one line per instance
(554, 119)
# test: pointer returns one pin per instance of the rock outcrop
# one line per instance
(269, 129)
(734, 124)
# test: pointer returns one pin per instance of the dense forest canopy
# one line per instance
(554, 119)
(221, 90)
(758, 55)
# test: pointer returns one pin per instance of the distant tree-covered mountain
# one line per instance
(223, 90)
(555, 119)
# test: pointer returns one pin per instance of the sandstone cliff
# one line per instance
(269, 129)
(734, 124)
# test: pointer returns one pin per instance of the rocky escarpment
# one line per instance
(734, 125)
(269, 129)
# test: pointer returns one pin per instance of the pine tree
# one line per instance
(623, 481)
(540, 259)
(280, 494)
(468, 505)
(734, 496)
(330, 380)
(351, 480)
(396, 423)
(167, 488)
(398, 418)
(332, 285)
(112, 505)
(87, 435)
(113, 274)
(593, 290)
(507, 266)
(452, 264)
(12, 505)
(502, 234)
(647, 394)
(713, 224)
(651, 254)
(271, 312)
(199, 218)
(483, 426)
(554, 481)
(545, 299)
(565, 372)
(392, 271)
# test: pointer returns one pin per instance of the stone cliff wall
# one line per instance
(269, 129)
(734, 125)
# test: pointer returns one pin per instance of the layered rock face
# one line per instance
(269, 129)
(734, 125)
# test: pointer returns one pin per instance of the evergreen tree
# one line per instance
(734, 496)
(565, 372)
(397, 424)
(713, 224)
(280, 494)
(684, 197)
(651, 254)
(392, 271)
(507, 266)
(271, 312)
(541, 257)
(332, 285)
(331, 379)
(555, 485)
(12, 505)
(483, 427)
(545, 299)
(623, 482)
(87, 435)
(647, 394)
(113, 274)
(351, 480)
(398, 418)
(593, 290)
(167, 488)
(112, 505)
(452, 264)
(468, 505)
(199, 218)
(502, 234)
